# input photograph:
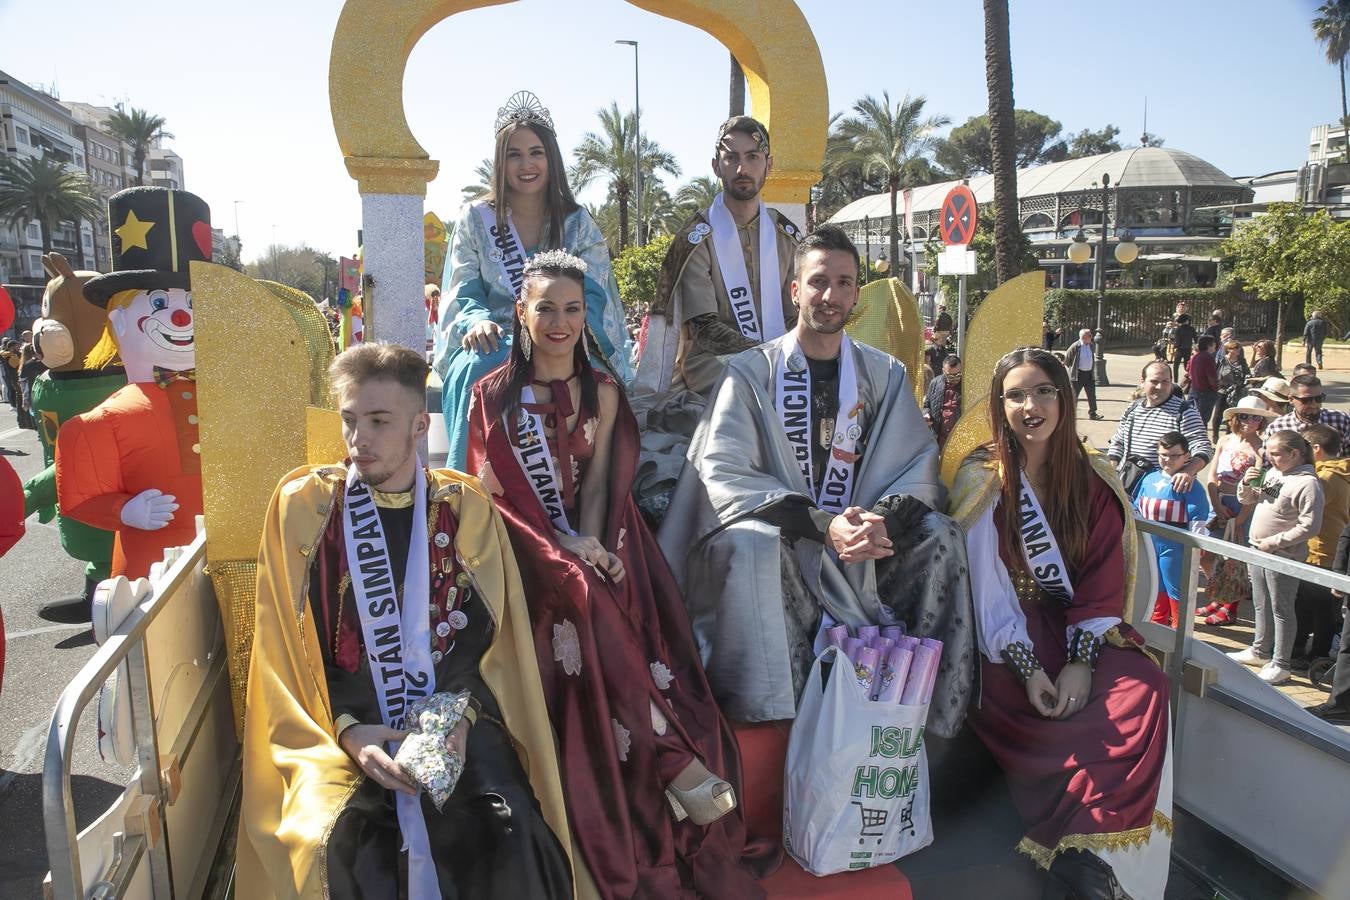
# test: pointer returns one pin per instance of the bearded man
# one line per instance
(810, 490)
(380, 583)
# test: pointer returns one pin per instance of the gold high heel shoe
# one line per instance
(705, 803)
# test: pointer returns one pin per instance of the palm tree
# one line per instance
(609, 153)
(45, 191)
(1332, 30)
(882, 141)
(1002, 137)
(481, 188)
(140, 129)
(696, 195)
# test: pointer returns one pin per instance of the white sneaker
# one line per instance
(1248, 657)
(1273, 674)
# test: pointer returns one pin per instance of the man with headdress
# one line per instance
(725, 286)
(133, 463)
(388, 599)
(810, 490)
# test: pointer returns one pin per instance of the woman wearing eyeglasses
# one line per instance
(1072, 708)
(1233, 374)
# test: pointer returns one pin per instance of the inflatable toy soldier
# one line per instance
(133, 464)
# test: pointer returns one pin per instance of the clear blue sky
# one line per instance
(244, 85)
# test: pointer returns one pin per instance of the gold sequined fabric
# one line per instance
(1028, 591)
(236, 586)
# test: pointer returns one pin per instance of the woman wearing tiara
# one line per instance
(530, 208)
(649, 764)
(1073, 710)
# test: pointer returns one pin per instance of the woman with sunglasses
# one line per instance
(1233, 374)
(1072, 708)
(1235, 453)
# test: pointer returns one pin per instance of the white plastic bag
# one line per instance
(856, 793)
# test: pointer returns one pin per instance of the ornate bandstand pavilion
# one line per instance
(1176, 205)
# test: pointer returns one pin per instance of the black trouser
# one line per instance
(1087, 381)
(1205, 401)
(1313, 351)
(1340, 683)
(1316, 609)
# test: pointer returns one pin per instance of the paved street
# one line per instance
(41, 657)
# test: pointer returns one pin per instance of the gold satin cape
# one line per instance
(296, 779)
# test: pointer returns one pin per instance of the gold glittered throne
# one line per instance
(263, 351)
(1010, 317)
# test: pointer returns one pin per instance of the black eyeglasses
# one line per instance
(1242, 417)
(1311, 398)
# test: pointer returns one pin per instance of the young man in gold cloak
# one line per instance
(379, 583)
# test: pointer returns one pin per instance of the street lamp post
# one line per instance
(637, 145)
(1080, 252)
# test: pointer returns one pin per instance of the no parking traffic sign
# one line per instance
(958, 217)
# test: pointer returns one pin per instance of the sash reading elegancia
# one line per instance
(794, 410)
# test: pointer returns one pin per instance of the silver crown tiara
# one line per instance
(558, 258)
(523, 108)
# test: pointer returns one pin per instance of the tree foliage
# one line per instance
(1093, 143)
(302, 268)
(966, 151)
(44, 190)
(637, 270)
(140, 129)
(483, 186)
(610, 153)
(881, 142)
(1285, 256)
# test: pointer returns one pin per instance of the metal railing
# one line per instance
(126, 644)
(1191, 544)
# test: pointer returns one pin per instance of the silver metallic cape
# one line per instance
(730, 566)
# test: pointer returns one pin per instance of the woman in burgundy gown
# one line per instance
(1073, 710)
(649, 763)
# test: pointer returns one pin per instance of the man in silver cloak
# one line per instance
(775, 521)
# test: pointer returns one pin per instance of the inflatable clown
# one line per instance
(70, 327)
(133, 463)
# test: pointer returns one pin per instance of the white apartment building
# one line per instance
(33, 124)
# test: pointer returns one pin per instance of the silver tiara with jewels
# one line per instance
(523, 108)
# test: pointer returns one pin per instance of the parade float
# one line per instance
(181, 651)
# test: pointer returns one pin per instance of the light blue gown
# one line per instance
(476, 288)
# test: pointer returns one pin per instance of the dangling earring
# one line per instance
(525, 344)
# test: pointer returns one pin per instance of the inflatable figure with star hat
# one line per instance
(70, 327)
(133, 464)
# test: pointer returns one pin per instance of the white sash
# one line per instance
(731, 263)
(793, 399)
(507, 251)
(531, 450)
(397, 644)
(1044, 559)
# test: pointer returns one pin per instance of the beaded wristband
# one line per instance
(1084, 647)
(1021, 660)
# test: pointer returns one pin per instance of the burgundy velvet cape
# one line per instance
(621, 820)
(1098, 771)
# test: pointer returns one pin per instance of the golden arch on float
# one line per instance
(784, 76)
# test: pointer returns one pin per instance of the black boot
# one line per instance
(1081, 875)
(73, 609)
